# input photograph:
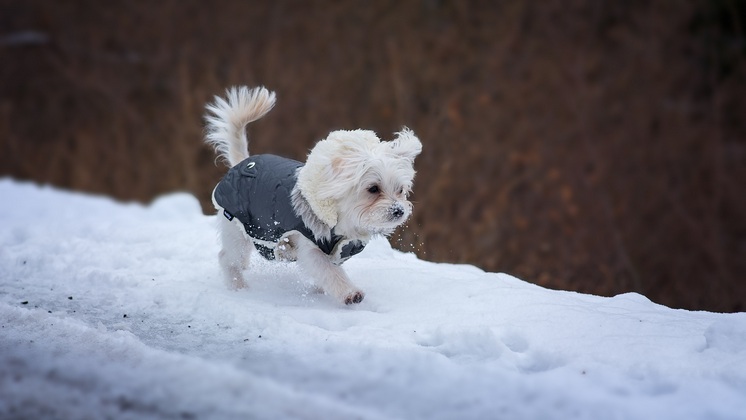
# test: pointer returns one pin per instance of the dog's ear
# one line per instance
(348, 152)
(353, 138)
(406, 144)
(332, 167)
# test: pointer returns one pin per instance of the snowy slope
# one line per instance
(111, 310)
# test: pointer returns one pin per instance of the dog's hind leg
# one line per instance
(235, 253)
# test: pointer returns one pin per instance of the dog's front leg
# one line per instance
(327, 275)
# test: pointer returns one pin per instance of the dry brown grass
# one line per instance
(580, 145)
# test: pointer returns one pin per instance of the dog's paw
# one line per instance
(286, 249)
(234, 278)
(237, 283)
(354, 297)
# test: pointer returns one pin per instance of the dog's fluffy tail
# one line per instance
(227, 119)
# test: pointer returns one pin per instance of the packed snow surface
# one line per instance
(112, 310)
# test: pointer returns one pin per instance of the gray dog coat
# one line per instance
(257, 192)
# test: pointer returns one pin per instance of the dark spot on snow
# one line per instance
(25, 302)
(69, 298)
(260, 336)
(125, 315)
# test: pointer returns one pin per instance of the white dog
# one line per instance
(320, 213)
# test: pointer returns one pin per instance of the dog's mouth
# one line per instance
(382, 231)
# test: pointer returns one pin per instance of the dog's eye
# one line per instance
(401, 191)
(374, 189)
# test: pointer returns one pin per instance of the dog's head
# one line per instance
(358, 184)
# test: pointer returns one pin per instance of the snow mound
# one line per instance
(117, 310)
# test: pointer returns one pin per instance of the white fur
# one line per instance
(226, 127)
(352, 183)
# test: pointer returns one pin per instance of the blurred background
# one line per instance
(578, 144)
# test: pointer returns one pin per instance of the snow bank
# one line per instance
(117, 310)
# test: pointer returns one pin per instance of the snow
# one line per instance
(117, 310)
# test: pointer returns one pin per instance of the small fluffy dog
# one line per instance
(353, 186)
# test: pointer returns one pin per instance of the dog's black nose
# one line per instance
(397, 212)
